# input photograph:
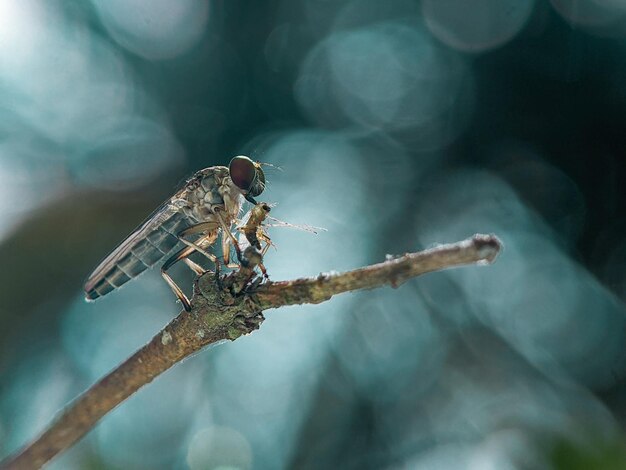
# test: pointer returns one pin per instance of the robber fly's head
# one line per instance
(247, 176)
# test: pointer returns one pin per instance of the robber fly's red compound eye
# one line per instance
(247, 176)
(242, 172)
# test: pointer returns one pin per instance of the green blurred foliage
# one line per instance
(597, 456)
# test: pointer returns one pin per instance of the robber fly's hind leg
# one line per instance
(181, 254)
(195, 267)
(184, 254)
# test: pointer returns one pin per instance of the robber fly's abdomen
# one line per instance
(136, 256)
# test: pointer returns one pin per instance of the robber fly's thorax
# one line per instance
(209, 190)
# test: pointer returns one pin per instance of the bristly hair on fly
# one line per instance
(272, 168)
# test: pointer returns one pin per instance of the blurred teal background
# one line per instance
(397, 125)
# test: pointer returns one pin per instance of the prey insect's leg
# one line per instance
(263, 252)
(268, 243)
(262, 236)
(263, 271)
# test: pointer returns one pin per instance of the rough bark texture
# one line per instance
(225, 311)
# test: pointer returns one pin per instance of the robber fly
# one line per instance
(209, 202)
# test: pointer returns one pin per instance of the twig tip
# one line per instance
(487, 246)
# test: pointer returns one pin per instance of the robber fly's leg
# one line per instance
(211, 256)
(181, 254)
(199, 228)
(226, 232)
(202, 251)
(226, 252)
(195, 267)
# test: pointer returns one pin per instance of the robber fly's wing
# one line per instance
(307, 228)
(144, 247)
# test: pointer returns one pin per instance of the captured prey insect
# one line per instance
(207, 204)
(254, 229)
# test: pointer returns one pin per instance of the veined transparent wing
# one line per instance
(144, 247)
(307, 228)
(252, 228)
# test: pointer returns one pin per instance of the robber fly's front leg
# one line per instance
(226, 252)
(227, 233)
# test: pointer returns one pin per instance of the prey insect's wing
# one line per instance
(261, 231)
(144, 247)
(306, 228)
(244, 220)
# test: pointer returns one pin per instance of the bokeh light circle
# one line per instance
(125, 153)
(592, 14)
(219, 447)
(476, 25)
(388, 76)
(154, 29)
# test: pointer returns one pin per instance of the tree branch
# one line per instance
(226, 312)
